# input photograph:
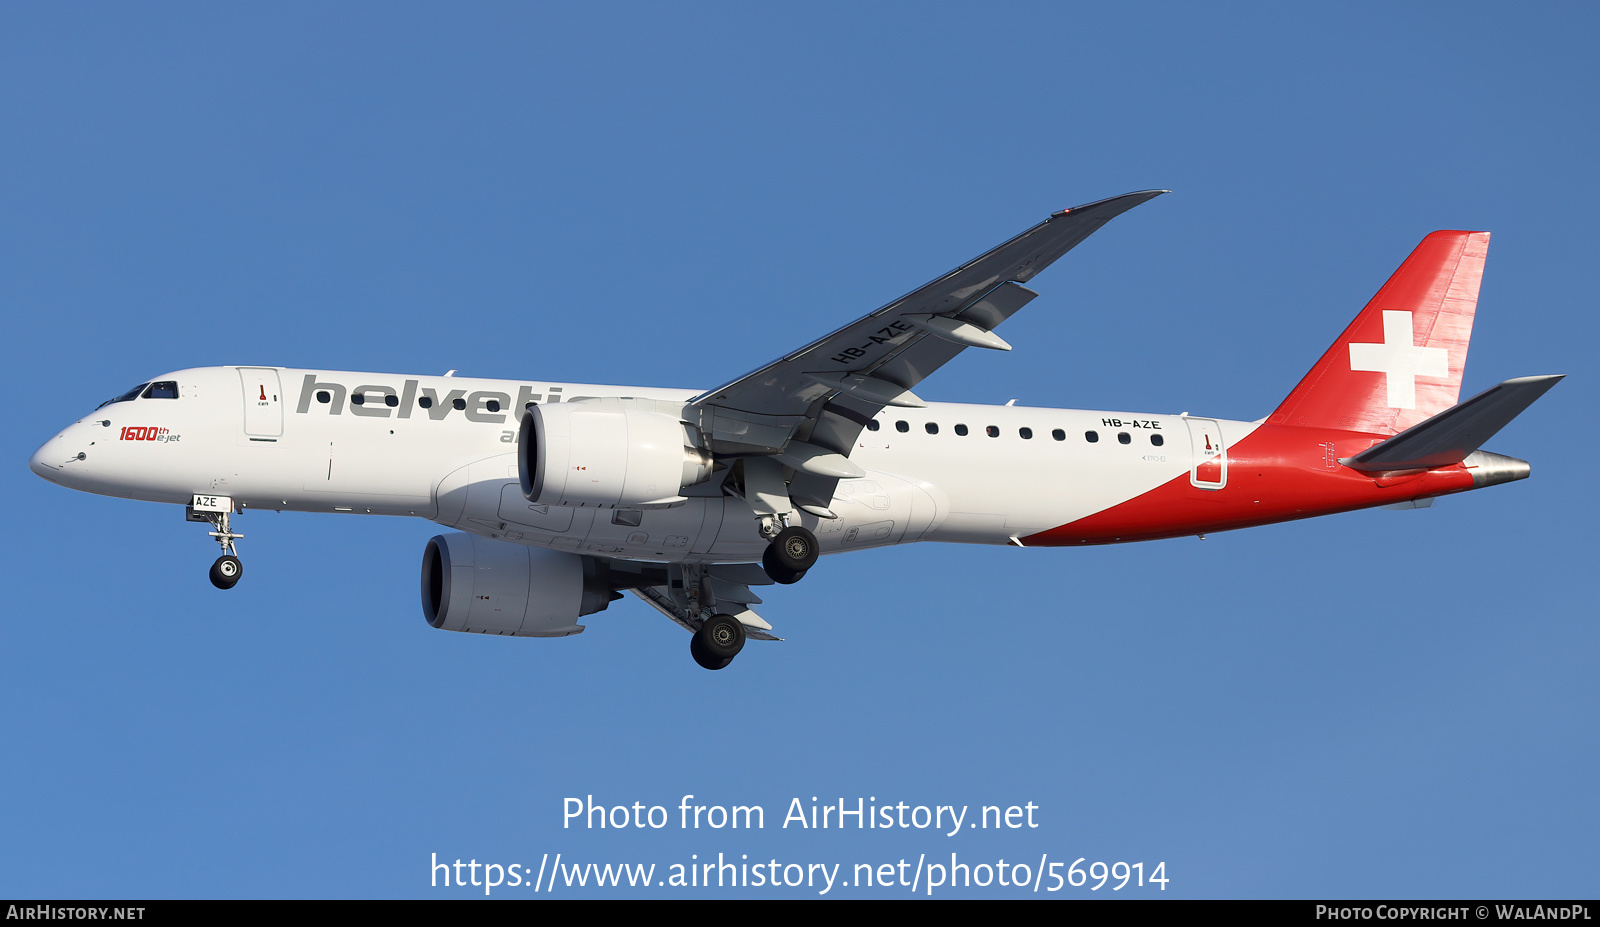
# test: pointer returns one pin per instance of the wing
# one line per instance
(806, 408)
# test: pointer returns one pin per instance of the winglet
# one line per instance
(1114, 206)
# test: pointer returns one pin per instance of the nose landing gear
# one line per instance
(227, 570)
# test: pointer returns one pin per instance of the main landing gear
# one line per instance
(717, 642)
(790, 554)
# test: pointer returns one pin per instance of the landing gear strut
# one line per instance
(717, 642)
(791, 553)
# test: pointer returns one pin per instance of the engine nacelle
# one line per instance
(476, 584)
(607, 453)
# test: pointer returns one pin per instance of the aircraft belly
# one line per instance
(876, 511)
(649, 534)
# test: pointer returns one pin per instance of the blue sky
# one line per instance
(1374, 704)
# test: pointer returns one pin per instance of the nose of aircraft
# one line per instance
(43, 460)
(51, 456)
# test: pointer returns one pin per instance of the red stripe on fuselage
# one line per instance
(1276, 473)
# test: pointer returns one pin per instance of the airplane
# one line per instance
(567, 495)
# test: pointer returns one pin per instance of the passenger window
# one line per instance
(993, 431)
(493, 405)
(1124, 438)
(391, 400)
(1059, 435)
(872, 425)
(459, 404)
(932, 428)
(162, 389)
(323, 396)
(426, 402)
(961, 430)
(1091, 436)
(902, 426)
(1157, 440)
(358, 399)
(1026, 433)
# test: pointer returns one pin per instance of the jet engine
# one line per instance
(608, 453)
(471, 583)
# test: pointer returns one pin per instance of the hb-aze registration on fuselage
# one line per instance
(567, 495)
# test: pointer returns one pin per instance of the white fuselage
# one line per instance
(443, 448)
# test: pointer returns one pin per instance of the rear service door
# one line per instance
(1210, 467)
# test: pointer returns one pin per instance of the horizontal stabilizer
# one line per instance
(1447, 438)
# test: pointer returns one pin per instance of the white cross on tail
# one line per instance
(1400, 360)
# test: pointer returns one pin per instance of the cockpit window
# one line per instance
(162, 389)
(125, 397)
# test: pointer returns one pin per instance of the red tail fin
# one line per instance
(1401, 360)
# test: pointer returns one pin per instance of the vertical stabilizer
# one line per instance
(1401, 360)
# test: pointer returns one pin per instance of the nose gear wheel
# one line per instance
(226, 571)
